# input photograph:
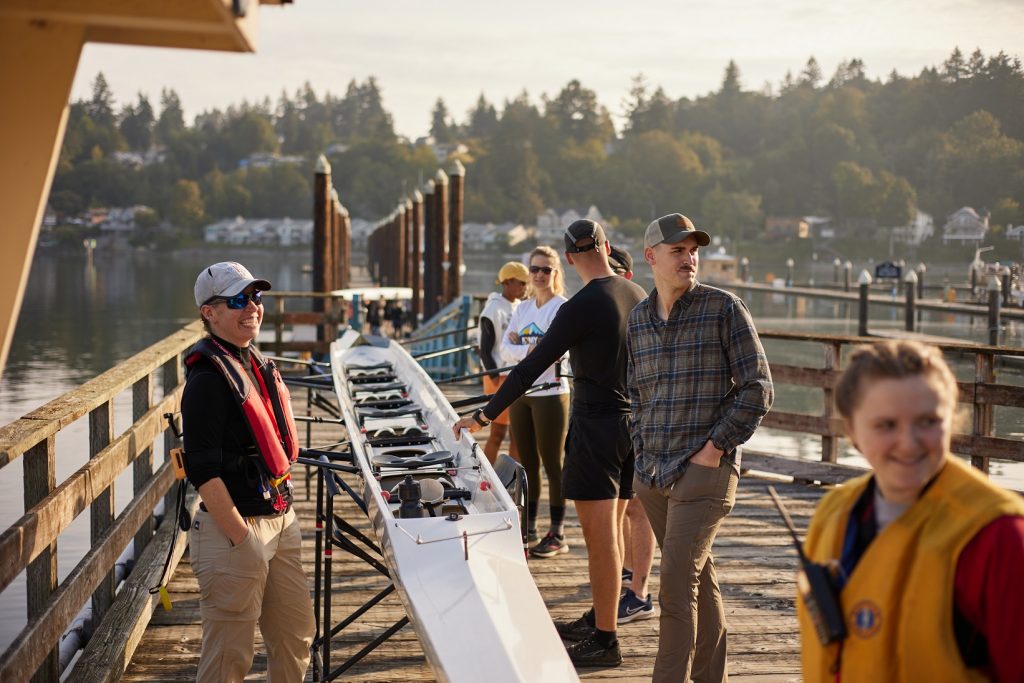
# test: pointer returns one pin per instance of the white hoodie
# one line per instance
(499, 311)
(531, 324)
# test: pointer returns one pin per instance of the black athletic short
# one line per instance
(599, 458)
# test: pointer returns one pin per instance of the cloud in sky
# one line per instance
(459, 48)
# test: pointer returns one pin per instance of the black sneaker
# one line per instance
(589, 652)
(550, 546)
(577, 629)
(632, 608)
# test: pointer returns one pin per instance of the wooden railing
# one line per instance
(982, 394)
(335, 313)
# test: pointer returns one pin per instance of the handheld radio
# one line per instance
(816, 586)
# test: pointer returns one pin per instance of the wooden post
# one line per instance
(830, 444)
(321, 228)
(431, 262)
(346, 248)
(847, 275)
(921, 270)
(910, 283)
(408, 243)
(417, 257)
(101, 510)
(142, 468)
(441, 228)
(744, 269)
(279, 325)
(40, 471)
(336, 243)
(984, 373)
(399, 245)
(1007, 281)
(457, 173)
(836, 265)
(864, 281)
(993, 310)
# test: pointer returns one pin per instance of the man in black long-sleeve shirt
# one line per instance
(598, 468)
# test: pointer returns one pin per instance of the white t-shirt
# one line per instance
(499, 311)
(531, 323)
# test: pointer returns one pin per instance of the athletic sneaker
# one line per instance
(627, 576)
(531, 537)
(550, 546)
(577, 629)
(632, 608)
(589, 652)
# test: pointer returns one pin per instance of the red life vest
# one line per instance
(268, 411)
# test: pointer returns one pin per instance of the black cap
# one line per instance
(620, 261)
(582, 229)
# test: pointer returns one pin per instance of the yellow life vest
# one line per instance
(898, 602)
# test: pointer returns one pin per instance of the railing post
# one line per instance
(441, 227)
(847, 275)
(279, 325)
(993, 311)
(457, 194)
(170, 377)
(830, 444)
(142, 468)
(982, 423)
(40, 471)
(101, 433)
(417, 258)
(864, 281)
(910, 283)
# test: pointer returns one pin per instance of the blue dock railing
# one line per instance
(447, 334)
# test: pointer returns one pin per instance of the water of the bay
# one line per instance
(81, 316)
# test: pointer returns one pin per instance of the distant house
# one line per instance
(921, 227)
(481, 236)
(820, 227)
(284, 232)
(122, 220)
(551, 224)
(965, 226)
(136, 160)
(1015, 233)
(268, 160)
(783, 227)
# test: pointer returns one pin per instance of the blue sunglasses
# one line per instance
(240, 300)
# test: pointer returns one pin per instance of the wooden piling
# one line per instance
(910, 317)
(431, 260)
(336, 246)
(441, 228)
(321, 227)
(399, 245)
(408, 276)
(993, 311)
(345, 230)
(457, 173)
(864, 282)
(847, 275)
(417, 257)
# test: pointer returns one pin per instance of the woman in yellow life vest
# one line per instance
(926, 551)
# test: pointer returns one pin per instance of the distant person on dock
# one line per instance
(927, 550)
(637, 538)
(245, 542)
(396, 316)
(375, 315)
(699, 385)
(513, 278)
(598, 469)
(539, 421)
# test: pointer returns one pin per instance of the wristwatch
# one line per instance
(478, 416)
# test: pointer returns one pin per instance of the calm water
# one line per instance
(80, 317)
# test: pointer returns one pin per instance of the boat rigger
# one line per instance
(447, 527)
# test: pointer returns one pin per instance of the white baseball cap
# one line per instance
(226, 278)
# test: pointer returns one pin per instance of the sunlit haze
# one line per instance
(457, 49)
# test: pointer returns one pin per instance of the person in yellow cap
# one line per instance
(513, 277)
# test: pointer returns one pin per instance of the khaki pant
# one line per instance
(685, 517)
(258, 581)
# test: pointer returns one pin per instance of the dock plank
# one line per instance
(756, 565)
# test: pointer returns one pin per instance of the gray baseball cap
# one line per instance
(672, 229)
(226, 278)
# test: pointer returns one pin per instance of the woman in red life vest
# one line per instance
(926, 550)
(245, 542)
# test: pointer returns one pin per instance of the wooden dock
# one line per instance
(756, 567)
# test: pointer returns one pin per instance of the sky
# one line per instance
(458, 49)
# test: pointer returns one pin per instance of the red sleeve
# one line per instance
(989, 593)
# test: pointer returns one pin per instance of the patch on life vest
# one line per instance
(865, 619)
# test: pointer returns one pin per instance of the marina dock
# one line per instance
(753, 552)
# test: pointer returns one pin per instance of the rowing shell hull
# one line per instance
(465, 583)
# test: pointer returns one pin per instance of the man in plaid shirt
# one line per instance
(699, 385)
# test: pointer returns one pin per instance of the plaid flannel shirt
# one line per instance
(701, 375)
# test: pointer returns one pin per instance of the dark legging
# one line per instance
(538, 426)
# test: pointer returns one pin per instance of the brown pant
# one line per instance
(258, 581)
(685, 517)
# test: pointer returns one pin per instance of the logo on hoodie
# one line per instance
(531, 334)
